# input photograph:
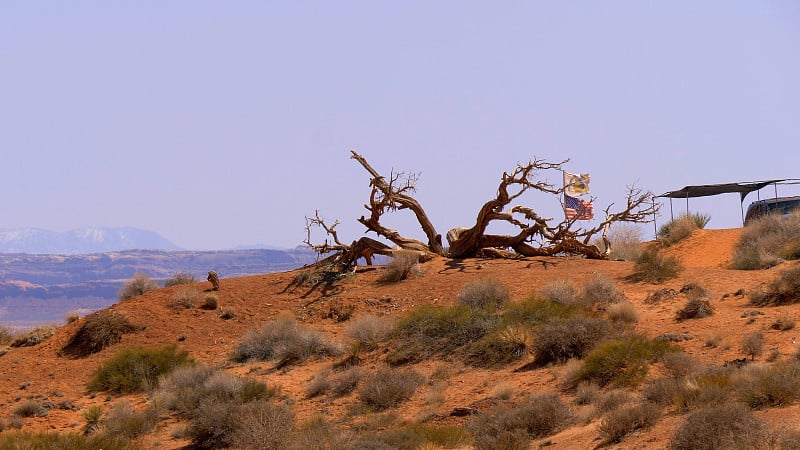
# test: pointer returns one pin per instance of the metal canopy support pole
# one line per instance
(776, 189)
(687, 203)
(671, 214)
(741, 206)
(655, 226)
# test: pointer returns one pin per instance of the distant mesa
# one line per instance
(81, 241)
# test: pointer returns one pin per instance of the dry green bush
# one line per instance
(501, 346)
(227, 313)
(30, 408)
(317, 433)
(621, 362)
(336, 383)
(653, 267)
(417, 436)
(784, 290)
(695, 308)
(613, 400)
(25, 440)
(561, 291)
(5, 336)
(621, 422)
(124, 421)
(768, 241)
(368, 330)
(514, 427)
(586, 393)
(766, 386)
(680, 364)
(98, 331)
(753, 344)
(262, 425)
(626, 241)
(403, 264)
(388, 387)
(140, 284)
(729, 426)
(137, 368)
(286, 340)
(489, 294)
(32, 337)
(180, 278)
(623, 312)
(782, 323)
(185, 297)
(600, 290)
(681, 228)
(210, 302)
(571, 338)
(430, 330)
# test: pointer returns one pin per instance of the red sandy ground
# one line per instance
(257, 299)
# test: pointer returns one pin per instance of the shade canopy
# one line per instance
(704, 190)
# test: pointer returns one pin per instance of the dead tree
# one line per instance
(536, 235)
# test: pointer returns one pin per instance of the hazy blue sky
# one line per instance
(225, 123)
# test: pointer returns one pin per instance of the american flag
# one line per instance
(578, 208)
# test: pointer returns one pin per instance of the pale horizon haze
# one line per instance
(221, 124)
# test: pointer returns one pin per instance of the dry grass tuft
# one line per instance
(286, 340)
(488, 294)
(388, 387)
(653, 267)
(621, 422)
(139, 285)
(98, 331)
(729, 426)
(403, 264)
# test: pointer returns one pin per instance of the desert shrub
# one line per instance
(98, 331)
(612, 400)
(621, 362)
(346, 382)
(422, 436)
(210, 302)
(185, 297)
(227, 313)
(388, 387)
(753, 344)
(600, 290)
(5, 336)
(790, 440)
(62, 441)
(32, 337)
(123, 421)
(681, 228)
(501, 346)
(729, 426)
(430, 330)
(319, 384)
(283, 339)
(92, 416)
(180, 278)
(369, 330)
(489, 294)
(137, 368)
(626, 241)
(782, 323)
(561, 291)
(534, 311)
(514, 427)
(767, 241)
(694, 309)
(653, 267)
(764, 386)
(317, 433)
(403, 264)
(140, 284)
(70, 317)
(618, 423)
(256, 424)
(586, 393)
(784, 290)
(571, 338)
(679, 364)
(623, 312)
(30, 408)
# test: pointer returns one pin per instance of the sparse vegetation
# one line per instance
(600, 290)
(729, 426)
(504, 427)
(185, 297)
(782, 323)
(784, 290)
(623, 312)
(620, 422)
(369, 330)
(137, 368)
(98, 331)
(123, 421)
(140, 284)
(561, 291)
(286, 340)
(653, 267)
(210, 302)
(488, 294)
(403, 264)
(32, 337)
(753, 344)
(388, 387)
(621, 362)
(681, 228)
(180, 278)
(695, 308)
(30, 408)
(571, 338)
(764, 386)
(62, 441)
(768, 241)
(626, 241)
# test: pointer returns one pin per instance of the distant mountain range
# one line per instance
(81, 241)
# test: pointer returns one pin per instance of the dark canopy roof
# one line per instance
(705, 190)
